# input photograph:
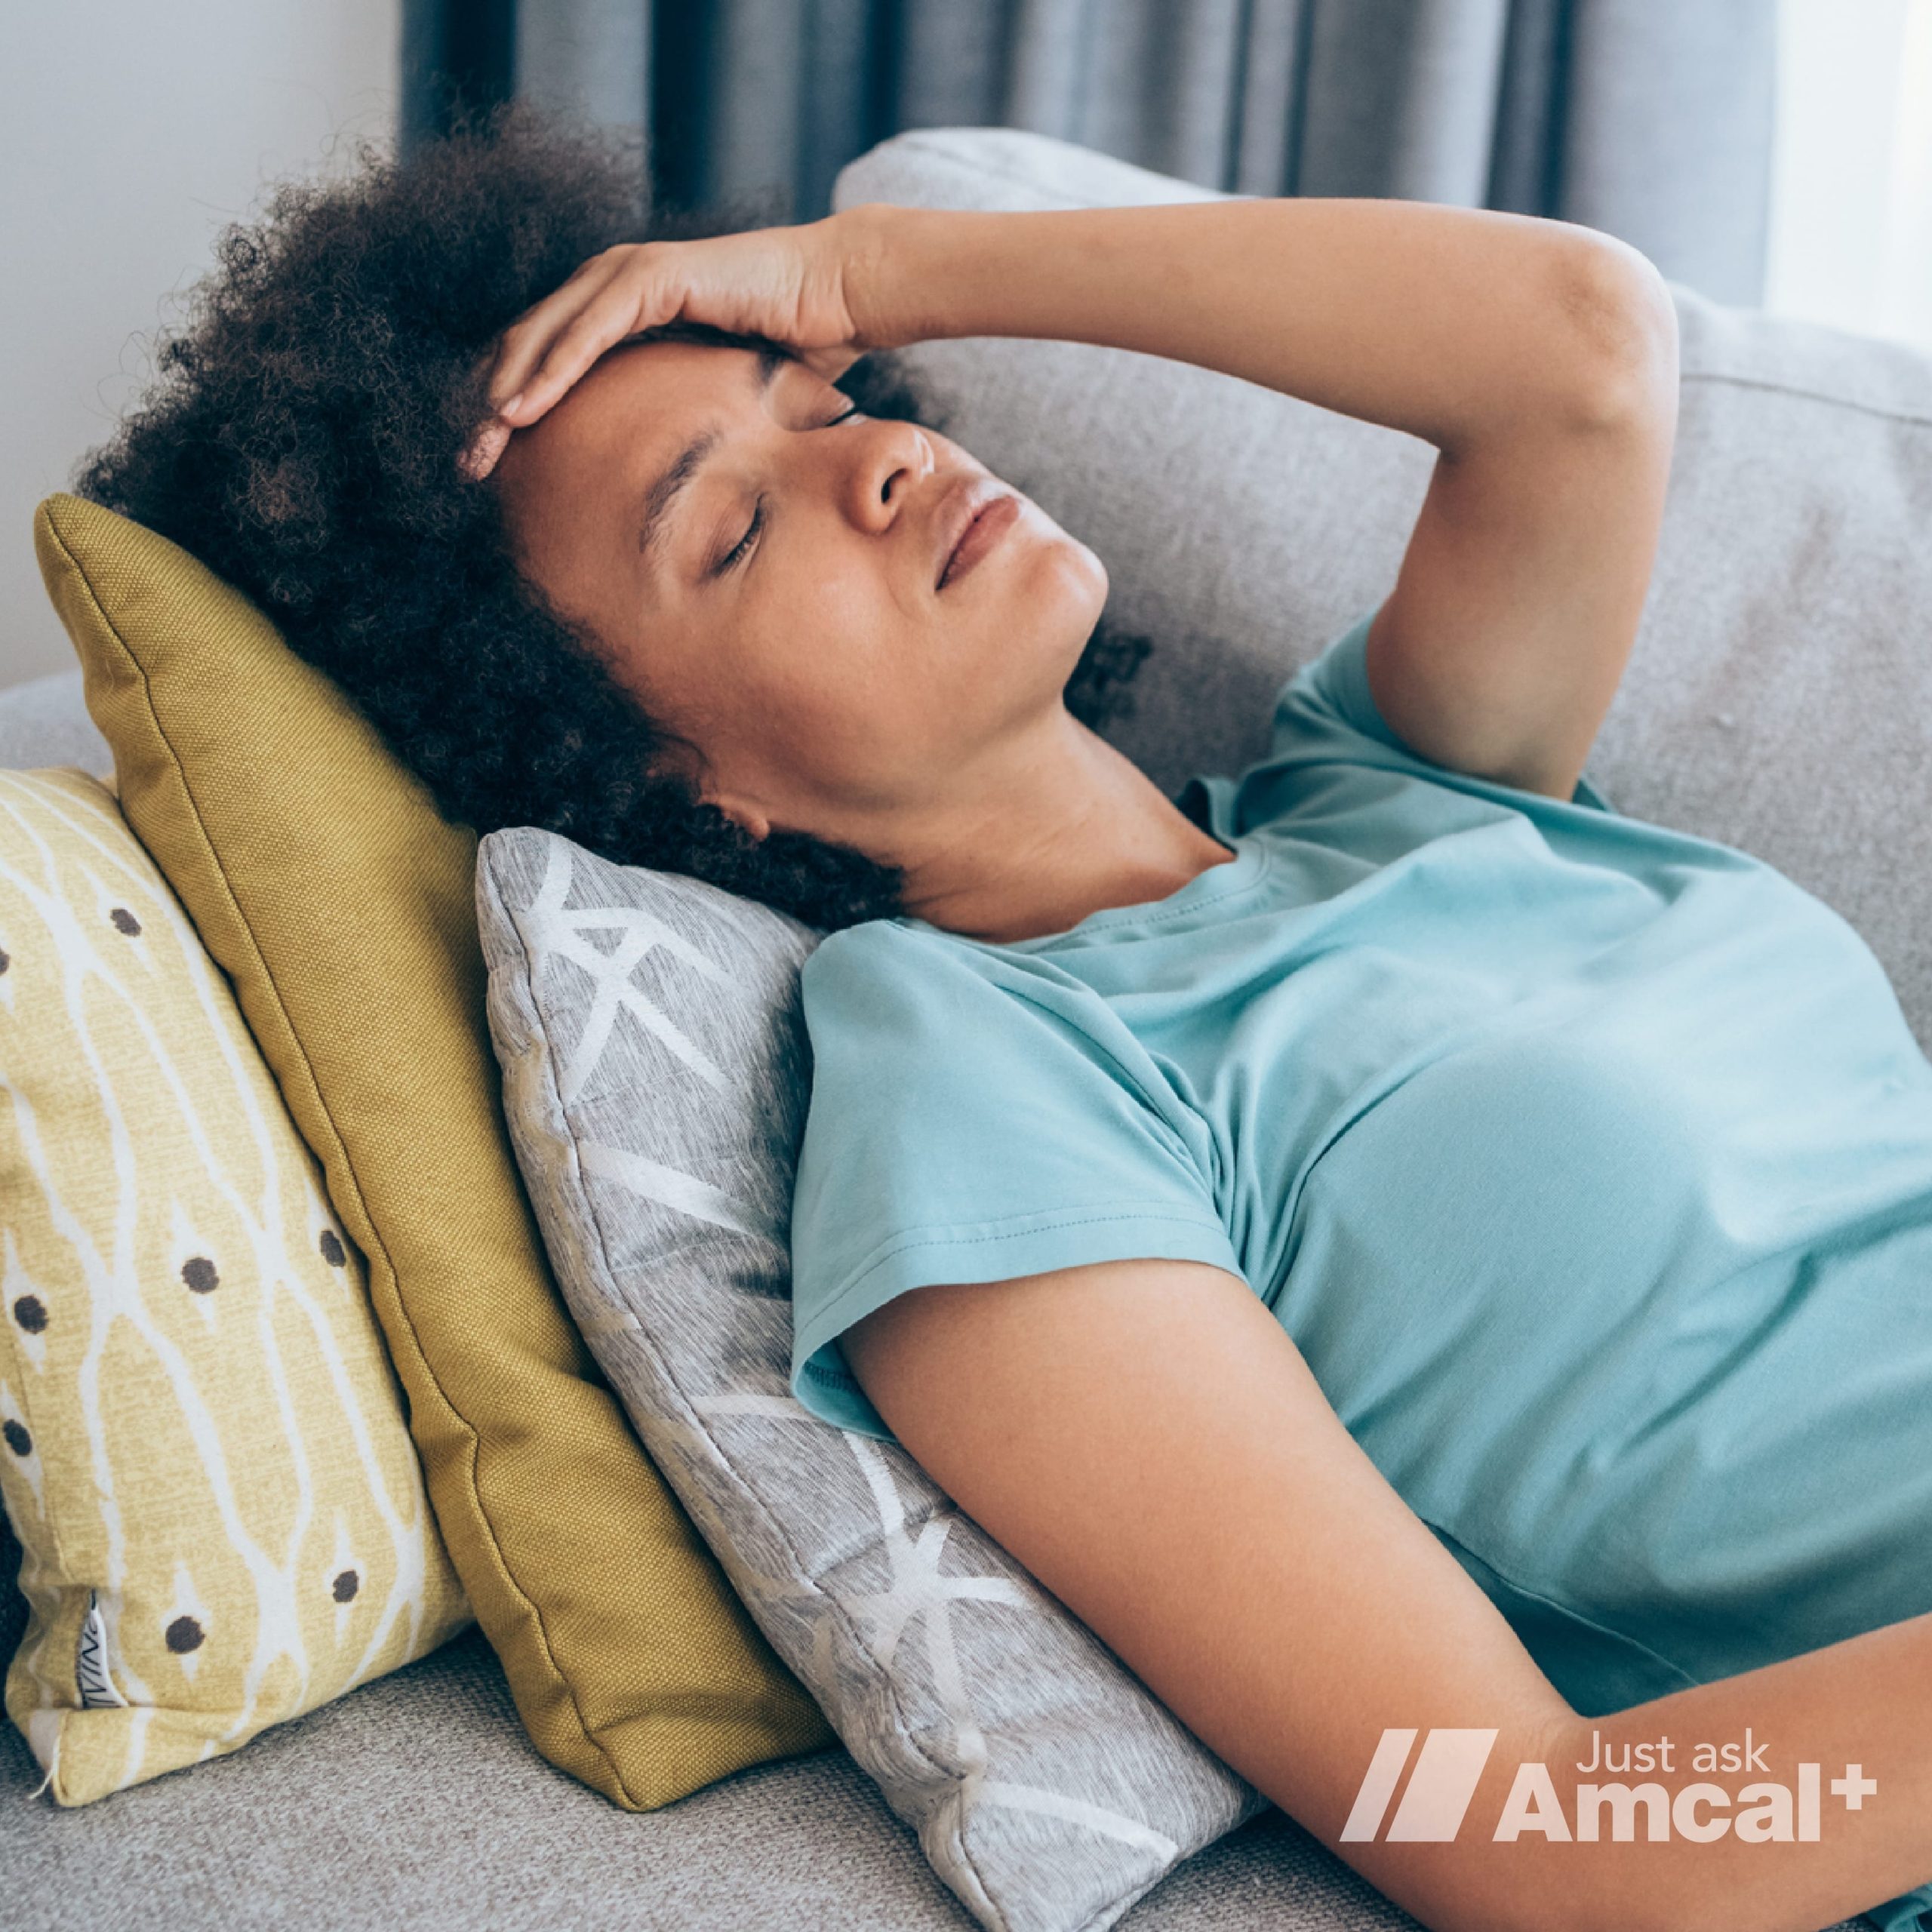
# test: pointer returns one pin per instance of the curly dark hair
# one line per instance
(301, 439)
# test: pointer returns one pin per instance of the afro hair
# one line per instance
(301, 438)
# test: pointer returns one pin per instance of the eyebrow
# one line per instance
(663, 494)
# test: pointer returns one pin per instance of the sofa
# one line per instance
(1778, 698)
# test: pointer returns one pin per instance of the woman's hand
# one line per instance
(790, 284)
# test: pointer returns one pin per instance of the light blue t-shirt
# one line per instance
(1588, 1164)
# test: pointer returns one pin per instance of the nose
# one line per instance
(894, 459)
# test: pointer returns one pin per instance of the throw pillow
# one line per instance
(656, 1073)
(202, 1447)
(341, 906)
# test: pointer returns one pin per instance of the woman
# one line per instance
(1396, 1247)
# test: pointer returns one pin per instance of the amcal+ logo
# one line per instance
(1450, 1764)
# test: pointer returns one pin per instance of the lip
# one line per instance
(960, 518)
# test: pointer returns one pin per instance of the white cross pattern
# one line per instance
(908, 1663)
(553, 934)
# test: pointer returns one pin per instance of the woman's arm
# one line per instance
(1539, 357)
(1453, 324)
(1146, 1439)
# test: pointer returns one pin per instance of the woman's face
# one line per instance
(765, 580)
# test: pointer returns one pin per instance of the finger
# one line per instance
(490, 442)
(518, 356)
(624, 311)
(527, 339)
(830, 363)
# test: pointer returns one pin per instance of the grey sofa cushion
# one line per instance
(1779, 694)
(656, 1070)
(45, 722)
(416, 1801)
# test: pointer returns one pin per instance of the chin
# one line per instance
(1082, 575)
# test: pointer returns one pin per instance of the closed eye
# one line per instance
(734, 557)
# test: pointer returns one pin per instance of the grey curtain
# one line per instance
(1650, 119)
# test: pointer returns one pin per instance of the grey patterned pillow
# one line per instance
(656, 1071)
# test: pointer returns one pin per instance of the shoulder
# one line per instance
(885, 971)
(892, 991)
(872, 946)
(892, 971)
(922, 1023)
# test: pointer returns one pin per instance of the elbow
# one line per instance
(1622, 323)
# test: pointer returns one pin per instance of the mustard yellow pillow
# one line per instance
(202, 1448)
(344, 908)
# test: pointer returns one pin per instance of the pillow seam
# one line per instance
(1768, 385)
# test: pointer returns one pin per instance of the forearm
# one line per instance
(1448, 323)
(1681, 1830)
(1144, 1437)
(1858, 1709)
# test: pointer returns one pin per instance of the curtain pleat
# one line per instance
(952, 66)
(590, 57)
(751, 86)
(1650, 119)
(1189, 81)
(847, 47)
(1526, 172)
(1668, 135)
(1046, 76)
(1265, 136)
(1401, 98)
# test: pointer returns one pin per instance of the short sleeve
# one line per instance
(973, 1116)
(1326, 712)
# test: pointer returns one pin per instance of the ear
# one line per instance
(679, 759)
(747, 817)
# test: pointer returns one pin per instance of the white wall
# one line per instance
(1851, 183)
(131, 132)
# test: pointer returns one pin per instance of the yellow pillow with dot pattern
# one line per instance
(203, 1449)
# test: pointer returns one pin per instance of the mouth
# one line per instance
(974, 517)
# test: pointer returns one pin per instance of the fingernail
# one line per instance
(480, 458)
(509, 406)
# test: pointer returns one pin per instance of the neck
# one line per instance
(1069, 827)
